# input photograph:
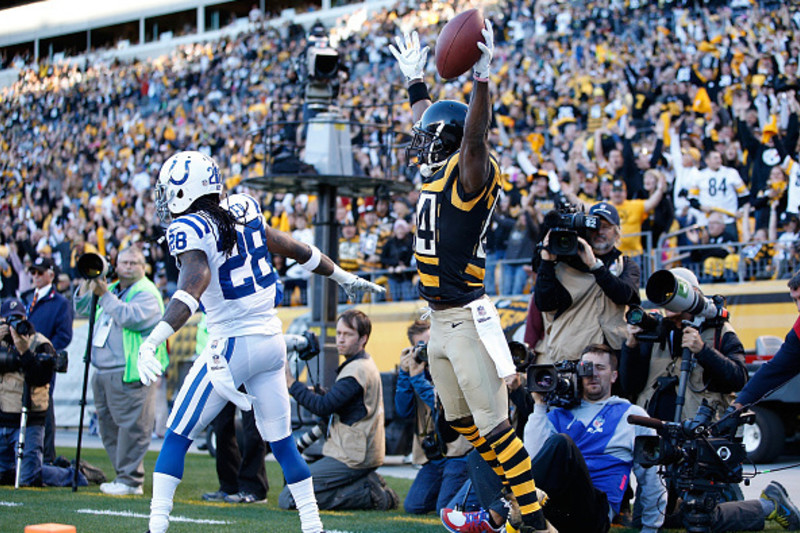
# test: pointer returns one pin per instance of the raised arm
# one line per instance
(473, 163)
(312, 260)
(412, 60)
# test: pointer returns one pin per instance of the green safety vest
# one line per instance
(132, 340)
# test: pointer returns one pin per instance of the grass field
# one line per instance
(83, 509)
(60, 505)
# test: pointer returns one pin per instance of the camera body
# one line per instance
(655, 328)
(21, 325)
(421, 352)
(560, 383)
(566, 223)
(433, 447)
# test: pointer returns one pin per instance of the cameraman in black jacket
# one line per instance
(652, 372)
(27, 364)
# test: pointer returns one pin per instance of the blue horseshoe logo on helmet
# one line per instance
(185, 173)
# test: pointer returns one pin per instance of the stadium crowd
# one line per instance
(591, 99)
(674, 124)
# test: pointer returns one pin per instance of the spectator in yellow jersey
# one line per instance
(632, 213)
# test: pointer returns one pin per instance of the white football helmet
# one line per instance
(185, 177)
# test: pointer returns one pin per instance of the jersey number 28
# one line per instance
(248, 268)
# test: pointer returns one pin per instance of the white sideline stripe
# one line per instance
(10, 504)
(142, 515)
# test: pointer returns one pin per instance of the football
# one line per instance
(457, 46)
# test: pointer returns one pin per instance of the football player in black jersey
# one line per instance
(468, 355)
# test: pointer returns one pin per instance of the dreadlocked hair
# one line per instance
(224, 220)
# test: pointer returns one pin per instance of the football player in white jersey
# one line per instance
(222, 249)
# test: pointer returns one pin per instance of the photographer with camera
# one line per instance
(127, 311)
(354, 448)
(51, 314)
(582, 447)
(443, 464)
(652, 360)
(27, 364)
(582, 294)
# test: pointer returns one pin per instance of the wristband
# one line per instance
(418, 92)
(160, 333)
(340, 276)
(187, 299)
(313, 261)
(478, 78)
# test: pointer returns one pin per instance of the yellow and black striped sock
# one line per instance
(472, 434)
(516, 463)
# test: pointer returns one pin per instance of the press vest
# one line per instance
(609, 474)
(592, 318)
(362, 444)
(132, 340)
(662, 364)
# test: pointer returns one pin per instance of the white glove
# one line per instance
(149, 367)
(353, 285)
(410, 57)
(481, 69)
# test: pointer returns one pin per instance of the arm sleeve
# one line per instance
(537, 430)
(636, 365)
(140, 314)
(775, 372)
(424, 389)
(622, 289)
(404, 395)
(724, 369)
(549, 294)
(63, 333)
(82, 303)
(341, 394)
(746, 137)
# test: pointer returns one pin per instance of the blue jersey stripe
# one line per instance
(229, 349)
(201, 220)
(192, 225)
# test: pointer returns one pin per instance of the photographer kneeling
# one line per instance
(27, 364)
(443, 464)
(582, 454)
(652, 368)
(582, 294)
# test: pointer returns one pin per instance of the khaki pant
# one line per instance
(463, 373)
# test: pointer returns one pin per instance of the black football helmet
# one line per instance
(437, 135)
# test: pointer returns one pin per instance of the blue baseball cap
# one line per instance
(12, 307)
(607, 211)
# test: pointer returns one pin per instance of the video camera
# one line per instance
(566, 223)
(560, 383)
(699, 460)
(322, 70)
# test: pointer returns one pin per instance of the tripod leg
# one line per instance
(23, 424)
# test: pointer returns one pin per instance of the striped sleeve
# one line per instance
(189, 232)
